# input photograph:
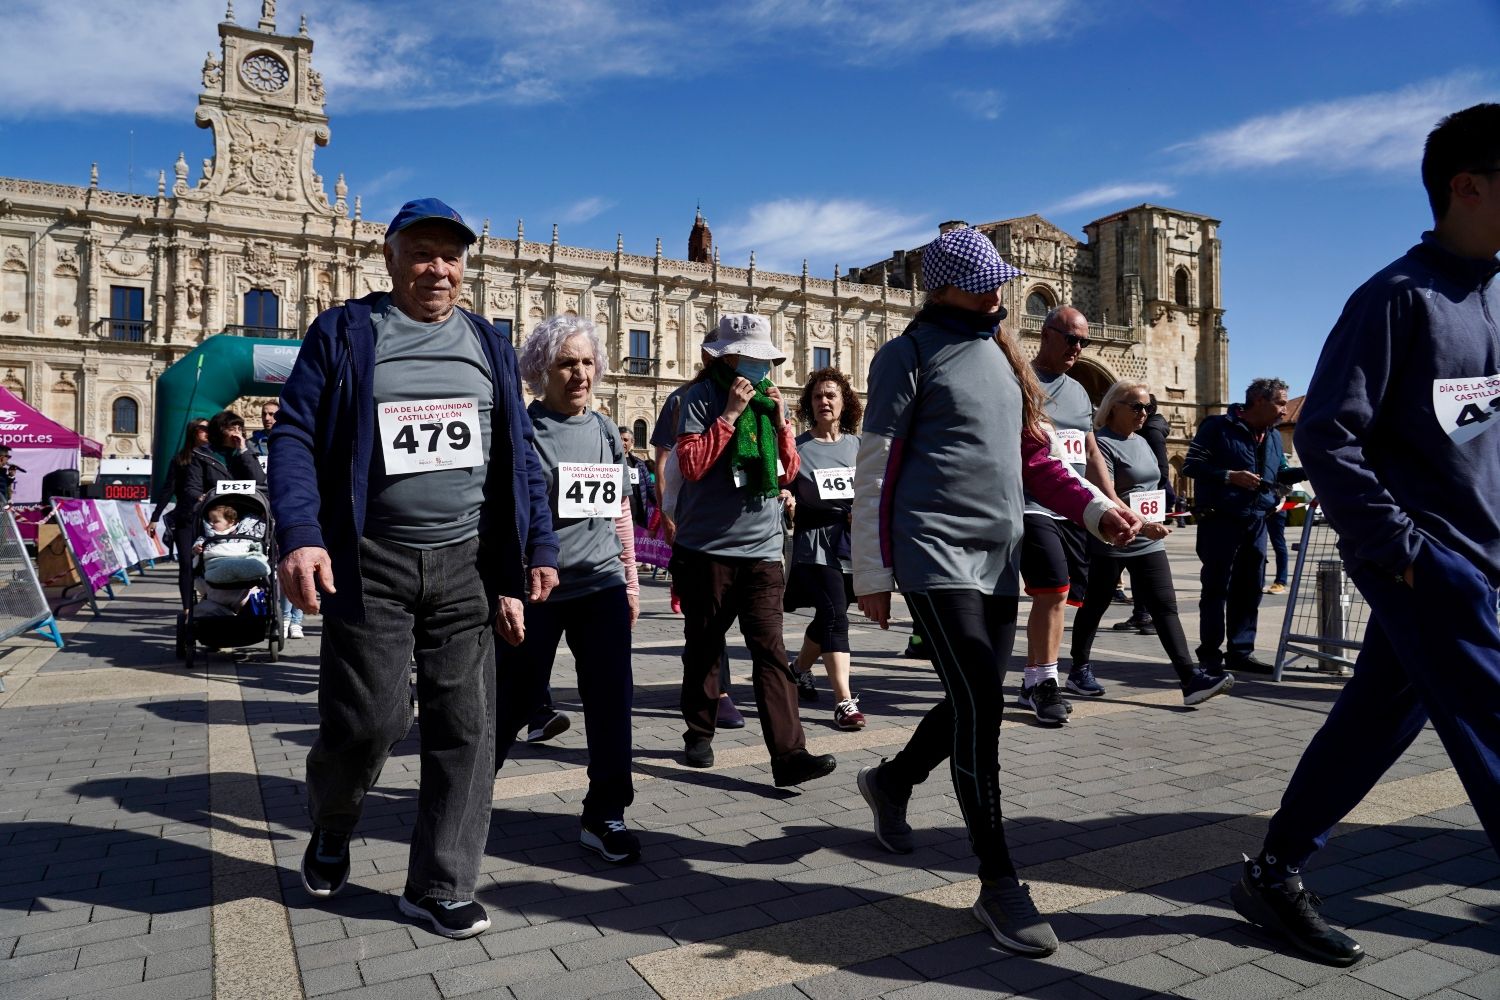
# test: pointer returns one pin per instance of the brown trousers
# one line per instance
(714, 591)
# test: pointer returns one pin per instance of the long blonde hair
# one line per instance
(1112, 396)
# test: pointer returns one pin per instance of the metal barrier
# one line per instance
(23, 606)
(1325, 613)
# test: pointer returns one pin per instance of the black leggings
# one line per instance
(1151, 580)
(971, 636)
(184, 538)
(829, 591)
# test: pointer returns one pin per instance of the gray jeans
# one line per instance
(433, 602)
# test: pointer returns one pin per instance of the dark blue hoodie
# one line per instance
(325, 437)
(1399, 431)
(1225, 444)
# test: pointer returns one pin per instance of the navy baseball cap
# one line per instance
(424, 209)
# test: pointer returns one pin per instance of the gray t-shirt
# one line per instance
(427, 510)
(820, 544)
(1068, 407)
(1133, 469)
(665, 434)
(589, 556)
(713, 514)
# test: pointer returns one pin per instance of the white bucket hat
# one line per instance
(746, 335)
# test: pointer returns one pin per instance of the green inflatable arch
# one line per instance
(207, 379)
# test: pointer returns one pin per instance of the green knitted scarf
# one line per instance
(754, 446)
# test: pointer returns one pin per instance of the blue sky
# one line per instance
(826, 129)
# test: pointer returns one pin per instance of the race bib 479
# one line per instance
(425, 435)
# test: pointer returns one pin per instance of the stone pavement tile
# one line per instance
(331, 979)
(343, 950)
(1024, 976)
(421, 961)
(1148, 974)
(43, 963)
(715, 924)
(324, 930)
(1476, 947)
(954, 955)
(1446, 914)
(417, 988)
(524, 939)
(1238, 983)
(1485, 986)
(159, 942)
(173, 963)
(497, 973)
(17, 922)
(196, 985)
(592, 981)
(630, 918)
(859, 981)
(610, 947)
(1127, 941)
(1411, 974)
(967, 985)
(1346, 988)
(96, 980)
(775, 993)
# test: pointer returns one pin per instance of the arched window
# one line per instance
(1180, 295)
(262, 309)
(1038, 304)
(124, 416)
(642, 441)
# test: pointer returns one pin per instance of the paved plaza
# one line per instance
(152, 820)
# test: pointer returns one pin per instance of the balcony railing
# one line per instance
(132, 331)
(640, 366)
(264, 332)
(1112, 332)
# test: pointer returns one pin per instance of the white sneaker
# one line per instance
(295, 630)
(285, 627)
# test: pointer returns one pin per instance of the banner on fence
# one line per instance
(93, 553)
(135, 529)
(109, 513)
(651, 550)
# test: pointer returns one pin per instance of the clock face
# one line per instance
(264, 72)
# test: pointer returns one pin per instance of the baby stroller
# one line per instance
(236, 598)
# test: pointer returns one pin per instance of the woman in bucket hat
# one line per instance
(735, 450)
(953, 432)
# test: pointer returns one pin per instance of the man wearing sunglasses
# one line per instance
(1054, 550)
(1233, 461)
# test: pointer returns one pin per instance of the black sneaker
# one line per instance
(799, 766)
(1291, 910)
(1046, 700)
(546, 725)
(806, 689)
(1131, 624)
(698, 753)
(1006, 908)
(450, 918)
(1147, 627)
(1202, 686)
(1251, 664)
(916, 649)
(325, 863)
(889, 811)
(611, 840)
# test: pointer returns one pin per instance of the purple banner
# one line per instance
(89, 539)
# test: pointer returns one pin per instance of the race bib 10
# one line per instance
(835, 483)
(235, 486)
(585, 490)
(1150, 504)
(1465, 407)
(1074, 450)
(428, 435)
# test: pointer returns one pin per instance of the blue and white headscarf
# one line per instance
(966, 259)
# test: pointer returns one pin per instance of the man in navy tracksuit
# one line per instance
(410, 505)
(1399, 436)
(1234, 461)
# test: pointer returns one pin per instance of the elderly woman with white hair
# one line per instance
(736, 450)
(1131, 464)
(596, 602)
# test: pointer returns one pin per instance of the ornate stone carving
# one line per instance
(15, 258)
(503, 299)
(315, 86)
(194, 298)
(260, 260)
(262, 158)
(213, 72)
(127, 264)
(64, 320)
(638, 311)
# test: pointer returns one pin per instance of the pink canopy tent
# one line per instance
(38, 445)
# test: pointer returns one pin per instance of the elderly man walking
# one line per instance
(1235, 459)
(410, 505)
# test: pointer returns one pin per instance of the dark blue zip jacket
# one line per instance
(325, 436)
(1400, 432)
(1224, 444)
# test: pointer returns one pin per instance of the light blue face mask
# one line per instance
(754, 369)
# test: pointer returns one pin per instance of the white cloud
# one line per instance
(1373, 132)
(985, 104)
(585, 209)
(837, 231)
(1109, 194)
(132, 56)
(1353, 7)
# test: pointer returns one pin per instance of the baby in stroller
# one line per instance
(231, 559)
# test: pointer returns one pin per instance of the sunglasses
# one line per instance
(1070, 339)
(1137, 407)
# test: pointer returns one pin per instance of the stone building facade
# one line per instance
(101, 291)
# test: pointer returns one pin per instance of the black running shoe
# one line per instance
(546, 725)
(799, 766)
(888, 811)
(611, 840)
(698, 753)
(1291, 910)
(1006, 908)
(325, 863)
(806, 689)
(451, 918)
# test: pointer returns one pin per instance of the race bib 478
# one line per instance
(1466, 407)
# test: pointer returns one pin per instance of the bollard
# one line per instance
(1333, 604)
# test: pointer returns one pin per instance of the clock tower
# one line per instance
(264, 102)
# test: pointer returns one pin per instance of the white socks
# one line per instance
(1035, 673)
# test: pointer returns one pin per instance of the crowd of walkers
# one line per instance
(969, 477)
